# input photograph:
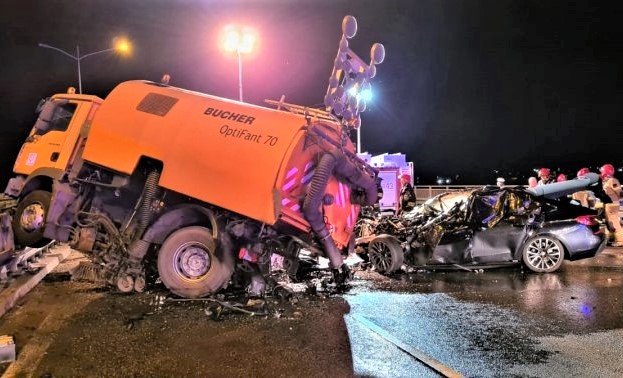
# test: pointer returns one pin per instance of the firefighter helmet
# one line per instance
(606, 170)
(405, 176)
(583, 171)
(532, 182)
(561, 177)
(544, 172)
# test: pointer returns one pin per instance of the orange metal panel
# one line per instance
(219, 151)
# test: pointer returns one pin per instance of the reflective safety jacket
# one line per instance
(407, 198)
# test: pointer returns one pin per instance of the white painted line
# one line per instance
(439, 367)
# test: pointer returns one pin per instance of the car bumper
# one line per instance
(578, 255)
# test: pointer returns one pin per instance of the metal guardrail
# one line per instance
(423, 192)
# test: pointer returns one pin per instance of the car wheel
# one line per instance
(190, 265)
(29, 219)
(543, 254)
(385, 254)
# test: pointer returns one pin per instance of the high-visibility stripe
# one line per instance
(291, 172)
(290, 204)
(291, 179)
(289, 185)
(308, 172)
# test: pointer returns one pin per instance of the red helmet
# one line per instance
(544, 172)
(583, 171)
(561, 177)
(606, 170)
(405, 176)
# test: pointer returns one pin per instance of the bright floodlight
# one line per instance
(366, 95)
(231, 38)
(239, 40)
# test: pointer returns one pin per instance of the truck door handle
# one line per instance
(54, 156)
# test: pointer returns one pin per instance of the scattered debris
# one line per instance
(7, 349)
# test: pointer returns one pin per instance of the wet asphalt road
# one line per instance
(497, 323)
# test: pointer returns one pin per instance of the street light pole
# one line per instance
(122, 46)
(239, 74)
(79, 72)
(240, 41)
(359, 140)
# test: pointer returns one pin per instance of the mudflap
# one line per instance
(7, 243)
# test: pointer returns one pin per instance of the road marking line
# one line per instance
(439, 367)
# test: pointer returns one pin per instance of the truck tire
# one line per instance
(29, 219)
(190, 265)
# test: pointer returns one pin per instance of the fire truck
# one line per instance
(389, 167)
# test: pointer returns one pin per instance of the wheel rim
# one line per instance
(543, 253)
(192, 261)
(33, 217)
(380, 255)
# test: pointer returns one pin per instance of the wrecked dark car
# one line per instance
(493, 227)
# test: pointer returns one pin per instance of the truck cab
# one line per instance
(46, 155)
(52, 142)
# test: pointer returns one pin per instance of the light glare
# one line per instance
(366, 95)
(238, 40)
(122, 46)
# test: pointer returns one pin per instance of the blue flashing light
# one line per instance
(366, 95)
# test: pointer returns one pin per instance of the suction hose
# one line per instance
(334, 162)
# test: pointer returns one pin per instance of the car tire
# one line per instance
(190, 265)
(29, 219)
(385, 254)
(543, 254)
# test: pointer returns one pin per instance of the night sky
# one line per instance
(467, 87)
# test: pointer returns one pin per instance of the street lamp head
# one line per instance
(122, 46)
(239, 40)
(230, 39)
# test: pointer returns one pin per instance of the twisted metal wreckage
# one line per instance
(489, 227)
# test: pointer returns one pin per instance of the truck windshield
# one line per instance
(60, 119)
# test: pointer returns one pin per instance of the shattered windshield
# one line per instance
(445, 201)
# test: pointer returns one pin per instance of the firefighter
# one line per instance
(544, 176)
(584, 196)
(532, 182)
(612, 187)
(583, 171)
(407, 194)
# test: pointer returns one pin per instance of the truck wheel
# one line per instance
(385, 254)
(29, 219)
(190, 265)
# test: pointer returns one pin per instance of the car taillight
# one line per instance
(587, 220)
